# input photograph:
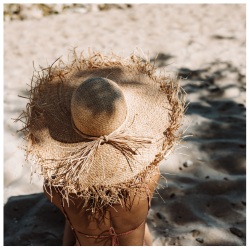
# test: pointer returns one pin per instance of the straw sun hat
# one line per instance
(99, 125)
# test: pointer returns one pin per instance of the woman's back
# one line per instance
(130, 222)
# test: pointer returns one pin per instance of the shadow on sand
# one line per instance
(196, 195)
(32, 220)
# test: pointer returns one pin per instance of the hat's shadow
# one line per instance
(32, 220)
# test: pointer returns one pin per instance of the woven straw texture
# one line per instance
(98, 106)
(131, 96)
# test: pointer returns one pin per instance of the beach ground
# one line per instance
(204, 200)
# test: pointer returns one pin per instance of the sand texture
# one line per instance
(204, 202)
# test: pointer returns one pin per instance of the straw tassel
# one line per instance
(83, 157)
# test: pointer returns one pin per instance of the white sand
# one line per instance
(207, 43)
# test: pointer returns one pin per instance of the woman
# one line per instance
(99, 127)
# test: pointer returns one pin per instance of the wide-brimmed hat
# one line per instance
(101, 124)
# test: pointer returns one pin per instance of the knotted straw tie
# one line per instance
(118, 139)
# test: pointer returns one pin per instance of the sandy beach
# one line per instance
(204, 200)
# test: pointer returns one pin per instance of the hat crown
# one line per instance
(98, 106)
